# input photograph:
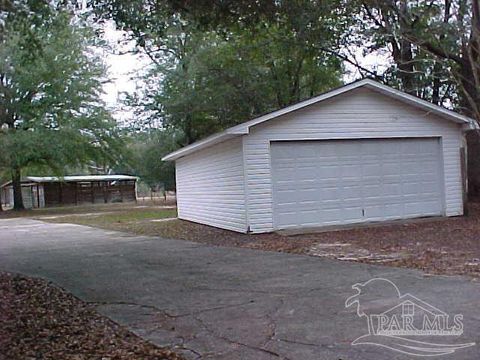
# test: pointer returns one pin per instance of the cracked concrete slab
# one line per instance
(224, 303)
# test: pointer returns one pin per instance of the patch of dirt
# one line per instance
(41, 321)
(347, 252)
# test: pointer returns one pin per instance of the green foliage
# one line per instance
(221, 82)
(208, 76)
(51, 115)
(433, 44)
(146, 150)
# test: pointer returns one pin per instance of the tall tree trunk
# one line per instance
(190, 137)
(404, 54)
(17, 189)
(436, 83)
(473, 56)
(407, 68)
(470, 93)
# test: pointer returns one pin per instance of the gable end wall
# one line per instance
(361, 113)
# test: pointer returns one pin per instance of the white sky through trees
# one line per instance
(124, 66)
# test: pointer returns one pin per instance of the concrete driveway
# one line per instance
(226, 303)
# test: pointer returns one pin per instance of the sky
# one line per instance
(123, 67)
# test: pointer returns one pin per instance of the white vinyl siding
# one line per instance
(210, 186)
(358, 114)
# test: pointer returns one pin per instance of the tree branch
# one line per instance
(433, 49)
(352, 62)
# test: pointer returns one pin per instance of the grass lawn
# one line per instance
(113, 220)
(116, 212)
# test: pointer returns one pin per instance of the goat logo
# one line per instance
(397, 321)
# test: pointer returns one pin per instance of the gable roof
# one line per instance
(244, 128)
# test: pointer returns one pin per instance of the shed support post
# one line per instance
(105, 189)
(38, 196)
(135, 190)
(76, 193)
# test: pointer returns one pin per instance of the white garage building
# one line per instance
(361, 153)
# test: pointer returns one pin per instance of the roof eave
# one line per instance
(202, 144)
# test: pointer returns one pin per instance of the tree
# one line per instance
(208, 76)
(51, 114)
(147, 148)
(411, 69)
(218, 83)
(435, 46)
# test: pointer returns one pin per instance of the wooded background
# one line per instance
(213, 64)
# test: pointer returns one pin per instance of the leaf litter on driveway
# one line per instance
(42, 321)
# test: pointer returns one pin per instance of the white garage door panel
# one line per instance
(348, 181)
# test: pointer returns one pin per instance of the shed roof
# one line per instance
(78, 178)
(74, 178)
(244, 128)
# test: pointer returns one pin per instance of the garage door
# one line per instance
(318, 183)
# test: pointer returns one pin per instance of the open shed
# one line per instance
(72, 190)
